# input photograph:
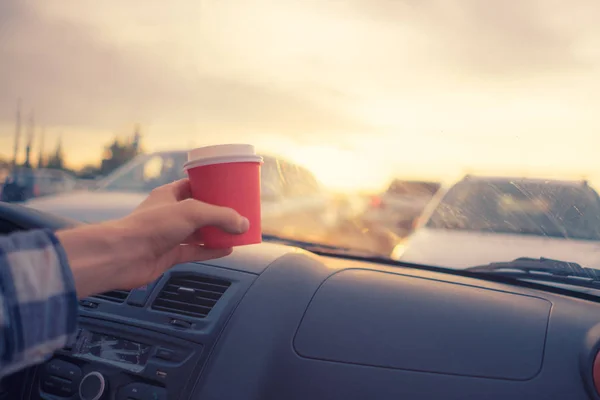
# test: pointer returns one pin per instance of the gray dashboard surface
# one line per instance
(293, 337)
(254, 259)
(500, 336)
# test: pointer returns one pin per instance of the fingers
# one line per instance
(174, 191)
(201, 214)
(180, 189)
(190, 253)
(169, 193)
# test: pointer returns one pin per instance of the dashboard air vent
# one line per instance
(191, 295)
(116, 296)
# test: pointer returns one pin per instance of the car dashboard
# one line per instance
(277, 322)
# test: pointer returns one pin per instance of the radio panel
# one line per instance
(111, 349)
(105, 360)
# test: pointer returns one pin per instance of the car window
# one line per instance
(399, 187)
(543, 209)
(62, 182)
(153, 171)
(153, 168)
(47, 184)
(22, 177)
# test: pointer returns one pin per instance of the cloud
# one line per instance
(72, 75)
(504, 38)
(290, 68)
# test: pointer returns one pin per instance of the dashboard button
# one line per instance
(135, 391)
(156, 393)
(58, 386)
(50, 385)
(55, 367)
(139, 296)
(73, 372)
(63, 369)
(141, 391)
(161, 374)
(180, 323)
(164, 354)
(88, 304)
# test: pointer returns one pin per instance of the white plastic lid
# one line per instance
(221, 153)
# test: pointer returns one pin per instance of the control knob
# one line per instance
(92, 386)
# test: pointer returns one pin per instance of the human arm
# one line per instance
(78, 262)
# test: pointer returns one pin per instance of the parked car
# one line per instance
(293, 202)
(499, 218)
(22, 184)
(87, 183)
(398, 207)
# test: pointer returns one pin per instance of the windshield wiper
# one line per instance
(543, 270)
(317, 248)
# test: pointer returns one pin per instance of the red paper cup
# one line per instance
(227, 175)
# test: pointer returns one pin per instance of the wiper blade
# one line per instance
(545, 270)
(316, 247)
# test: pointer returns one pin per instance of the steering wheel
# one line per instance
(14, 217)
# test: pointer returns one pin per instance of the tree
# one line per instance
(29, 142)
(120, 151)
(88, 172)
(56, 160)
(41, 158)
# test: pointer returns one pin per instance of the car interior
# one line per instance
(272, 321)
(428, 197)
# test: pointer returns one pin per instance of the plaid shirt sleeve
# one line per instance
(38, 302)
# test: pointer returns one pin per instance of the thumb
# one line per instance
(201, 214)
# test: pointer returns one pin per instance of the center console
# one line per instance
(150, 343)
(105, 360)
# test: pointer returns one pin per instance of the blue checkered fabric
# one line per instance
(38, 302)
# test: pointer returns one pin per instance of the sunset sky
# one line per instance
(359, 91)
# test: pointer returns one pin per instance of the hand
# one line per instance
(137, 249)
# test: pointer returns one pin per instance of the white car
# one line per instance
(293, 202)
(501, 219)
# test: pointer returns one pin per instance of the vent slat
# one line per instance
(190, 295)
(180, 312)
(206, 288)
(211, 287)
(203, 293)
(116, 296)
(207, 281)
(183, 306)
(199, 300)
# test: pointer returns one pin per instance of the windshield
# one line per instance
(146, 172)
(512, 207)
(448, 133)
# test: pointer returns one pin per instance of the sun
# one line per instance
(340, 170)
